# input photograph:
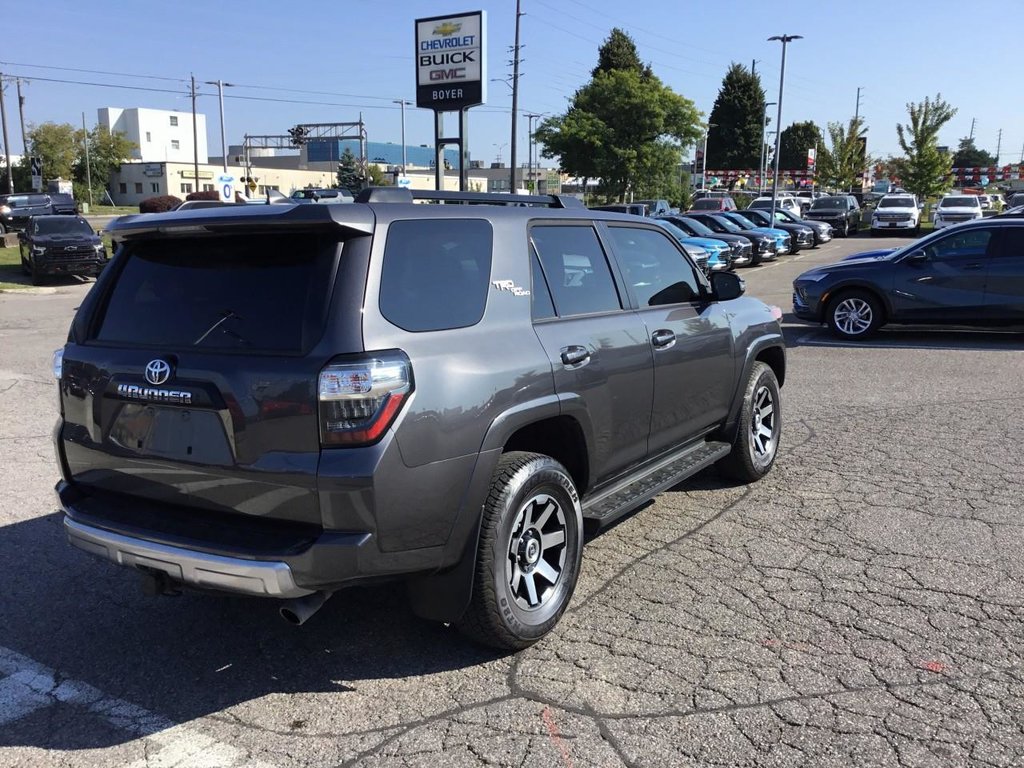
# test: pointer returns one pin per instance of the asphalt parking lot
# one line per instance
(863, 605)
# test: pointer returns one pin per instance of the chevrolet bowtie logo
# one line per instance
(447, 29)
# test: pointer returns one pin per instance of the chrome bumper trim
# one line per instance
(229, 574)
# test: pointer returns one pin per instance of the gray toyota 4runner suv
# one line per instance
(284, 401)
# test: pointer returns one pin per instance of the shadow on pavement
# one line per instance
(801, 334)
(189, 656)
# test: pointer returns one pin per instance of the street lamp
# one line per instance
(704, 157)
(530, 117)
(784, 39)
(764, 129)
(221, 85)
(404, 103)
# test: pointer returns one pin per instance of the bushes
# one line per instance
(209, 194)
(159, 204)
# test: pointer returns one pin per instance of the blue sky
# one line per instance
(358, 55)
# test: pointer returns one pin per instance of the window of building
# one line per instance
(575, 270)
(138, 187)
(149, 138)
(186, 188)
(155, 187)
(174, 120)
(175, 144)
(123, 188)
(207, 187)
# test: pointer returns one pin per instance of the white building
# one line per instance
(162, 136)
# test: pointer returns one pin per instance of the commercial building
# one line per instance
(160, 135)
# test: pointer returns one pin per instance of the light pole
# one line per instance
(221, 85)
(764, 130)
(530, 117)
(404, 103)
(704, 157)
(784, 39)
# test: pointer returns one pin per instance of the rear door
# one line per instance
(948, 285)
(691, 339)
(192, 381)
(599, 349)
(1004, 288)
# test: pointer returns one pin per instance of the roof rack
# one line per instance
(399, 195)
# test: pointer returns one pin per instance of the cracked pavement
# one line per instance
(863, 605)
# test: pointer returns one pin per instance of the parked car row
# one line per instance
(17, 209)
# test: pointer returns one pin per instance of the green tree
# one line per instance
(619, 52)
(968, 155)
(621, 125)
(842, 165)
(59, 145)
(924, 170)
(377, 177)
(106, 153)
(794, 143)
(737, 116)
(350, 175)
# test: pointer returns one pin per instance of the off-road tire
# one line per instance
(495, 616)
(753, 453)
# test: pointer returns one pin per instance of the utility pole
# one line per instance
(515, 98)
(999, 146)
(764, 130)
(195, 138)
(7, 144)
(21, 114)
(88, 169)
(856, 112)
(221, 85)
(971, 137)
(753, 67)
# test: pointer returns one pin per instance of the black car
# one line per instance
(740, 247)
(801, 235)
(60, 245)
(970, 274)
(282, 401)
(17, 209)
(822, 230)
(62, 204)
(841, 211)
(763, 247)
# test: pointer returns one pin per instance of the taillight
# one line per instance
(359, 400)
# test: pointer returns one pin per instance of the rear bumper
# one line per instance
(198, 569)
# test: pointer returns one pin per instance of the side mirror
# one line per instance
(917, 256)
(726, 286)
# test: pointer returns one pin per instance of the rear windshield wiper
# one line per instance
(225, 316)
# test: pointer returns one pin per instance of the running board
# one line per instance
(628, 494)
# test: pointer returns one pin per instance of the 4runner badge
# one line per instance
(508, 285)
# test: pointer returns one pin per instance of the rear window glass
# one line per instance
(265, 293)
(436, 273)
(708, 204)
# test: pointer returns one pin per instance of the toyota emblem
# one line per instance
(158, 372)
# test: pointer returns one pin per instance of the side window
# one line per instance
(1011, 243)
(540, 294)
(655, 268)
(962, 245)
(576, 269)
(436, 273)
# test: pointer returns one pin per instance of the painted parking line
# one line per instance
(28, 686)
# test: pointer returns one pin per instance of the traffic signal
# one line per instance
(298, 134)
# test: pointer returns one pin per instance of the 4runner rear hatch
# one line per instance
(189, 380)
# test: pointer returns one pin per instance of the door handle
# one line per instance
(663, 339)
(973, 266)
(575, 356)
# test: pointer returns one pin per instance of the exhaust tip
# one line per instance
(299, 610)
